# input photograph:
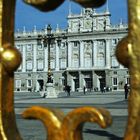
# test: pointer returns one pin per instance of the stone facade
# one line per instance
(82, 55)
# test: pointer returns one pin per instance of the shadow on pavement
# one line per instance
(103, 133)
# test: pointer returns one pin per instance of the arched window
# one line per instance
(75, 63)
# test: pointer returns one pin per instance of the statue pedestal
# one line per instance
(50, 91)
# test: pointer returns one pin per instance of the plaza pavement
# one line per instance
(112, 101)
(107, 100)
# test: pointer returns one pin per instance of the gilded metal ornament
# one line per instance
(131, 58)
(9, 61)
(90, 3)
(44, 5)
(48, 5)
(59, 126)
(69, 127)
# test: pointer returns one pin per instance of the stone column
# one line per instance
(93, 80)
(24, 59)
(92, 57)
(80, 81)
(68, 79)
(69, 54)
(57, 57)
(81, 54)
(107, 55)
(108, 78)
(34, 57)
(94, 53)
(46, 58)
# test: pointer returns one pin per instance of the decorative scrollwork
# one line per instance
(90, 3)
(45, 5)
(131, 58)
(48, 5)
(69, 127)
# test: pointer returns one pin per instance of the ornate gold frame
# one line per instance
(60, 127)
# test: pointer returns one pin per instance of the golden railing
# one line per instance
(69, 127)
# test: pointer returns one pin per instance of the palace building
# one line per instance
(81, 55)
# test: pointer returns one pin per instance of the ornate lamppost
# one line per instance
(47, 41)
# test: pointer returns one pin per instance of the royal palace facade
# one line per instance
(81, 55)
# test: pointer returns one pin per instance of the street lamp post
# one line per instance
(49, 39)
(50, 91)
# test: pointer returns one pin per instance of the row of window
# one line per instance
(41, 65)
(75, 63)
(29, 47)
(18, 83)
(99, 62)
(99, 42)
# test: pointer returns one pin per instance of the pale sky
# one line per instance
(29, 16)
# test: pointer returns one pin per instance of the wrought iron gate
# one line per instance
(68, 127)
